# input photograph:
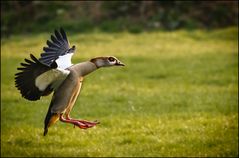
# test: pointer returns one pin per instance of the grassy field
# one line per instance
(177, 96)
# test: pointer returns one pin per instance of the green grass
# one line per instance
(177, 96)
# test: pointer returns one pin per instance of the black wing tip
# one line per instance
(45, 49)
(55, 31)
(21, 68)
(45, 131)
(31, 98)
(60, 32)
(28, 61)
(61, 29)
(48, 43)
(18, 73)
(34, 58)
(52, 37)
(24, 64)
(63, 34)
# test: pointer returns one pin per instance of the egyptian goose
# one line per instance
(54, 72)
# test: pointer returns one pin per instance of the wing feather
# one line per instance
(28, 61)
(58, 46)
(58, 36)
(35, 79)
(50, 44)
(53, 38)
(64, 35)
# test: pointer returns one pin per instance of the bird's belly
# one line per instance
(65, 94)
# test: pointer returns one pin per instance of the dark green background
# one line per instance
(114, 16)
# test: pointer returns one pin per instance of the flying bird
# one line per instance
(54, 72)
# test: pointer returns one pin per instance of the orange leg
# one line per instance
(83, 121)
(79, 123)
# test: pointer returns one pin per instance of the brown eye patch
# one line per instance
(111, 59)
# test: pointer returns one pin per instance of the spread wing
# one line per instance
(36, 79)
(58, 49)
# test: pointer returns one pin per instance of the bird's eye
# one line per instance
(111, 59)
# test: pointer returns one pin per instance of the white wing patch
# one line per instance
(54, 77)
(64, 61)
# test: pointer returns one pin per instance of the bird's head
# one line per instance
(107, 61)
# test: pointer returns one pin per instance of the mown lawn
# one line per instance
(177, 96)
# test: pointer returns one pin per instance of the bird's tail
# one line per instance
(50, 119)
(45, 131)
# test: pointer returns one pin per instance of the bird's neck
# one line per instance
(84, 68)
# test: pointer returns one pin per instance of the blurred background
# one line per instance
(114, 16)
